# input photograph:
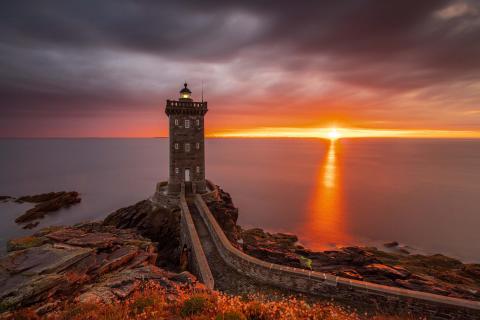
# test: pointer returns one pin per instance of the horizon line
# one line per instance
(300, 133)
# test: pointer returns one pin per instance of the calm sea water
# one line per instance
(422, 193)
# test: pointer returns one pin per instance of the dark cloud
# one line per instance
(89, 57)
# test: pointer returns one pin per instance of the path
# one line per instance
(227, 279)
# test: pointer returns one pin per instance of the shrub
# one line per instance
(254, 311)
(324, 314)
(194, 305)
(141, 303)
(230, 315)
(306, 262)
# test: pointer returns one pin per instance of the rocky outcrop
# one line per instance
(159, 224)
(435, 274)
(6, 198)
(45, 203)
(226, 214)
(87, 263)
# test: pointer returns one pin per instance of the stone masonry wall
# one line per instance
(198, 264)
(360, 294)
(186, 144)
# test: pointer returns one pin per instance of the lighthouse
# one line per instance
(186, 143)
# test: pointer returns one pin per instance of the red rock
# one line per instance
(350, 274)
(386, 271)
(65, 234)
(118, 258)
(96, 239)
(73, 261)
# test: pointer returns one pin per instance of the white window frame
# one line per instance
(187, 147)
(187, 123)
(198, 169)
(197, 122)
(176, 122)
(197, 145)
(177, 170)
(176, 146)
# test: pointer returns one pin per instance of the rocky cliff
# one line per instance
(160, 225)
(86, 263)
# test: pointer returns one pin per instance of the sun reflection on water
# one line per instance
(325, 225)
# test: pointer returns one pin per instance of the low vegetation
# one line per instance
(153, 302)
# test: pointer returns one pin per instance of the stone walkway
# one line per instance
(227, 279)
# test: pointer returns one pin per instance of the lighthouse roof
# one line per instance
(185, 89)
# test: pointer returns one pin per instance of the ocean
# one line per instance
(423, 193)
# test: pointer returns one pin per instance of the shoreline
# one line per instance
(391, 264)
(149, 237)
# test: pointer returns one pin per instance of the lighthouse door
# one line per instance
(187, 175)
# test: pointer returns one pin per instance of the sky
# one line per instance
(269, 68)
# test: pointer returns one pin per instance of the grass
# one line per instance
(141, 304)
(196, 304)
(153, 302)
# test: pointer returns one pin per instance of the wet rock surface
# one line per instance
(46, 203)
(88, 263)
(159, 224)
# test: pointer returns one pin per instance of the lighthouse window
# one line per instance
(177, 171)
(187, 147)
(176, 122)
(198, 169)
(176, 146)
(187, 123)
(197, 145)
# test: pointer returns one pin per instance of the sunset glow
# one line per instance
(335, 133)
(412, 73)
(325, 206)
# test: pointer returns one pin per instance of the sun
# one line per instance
(333, 134)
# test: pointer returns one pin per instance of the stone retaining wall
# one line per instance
(197, 261)
(359, 294)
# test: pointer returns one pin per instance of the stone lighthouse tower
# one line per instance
(187, 143)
